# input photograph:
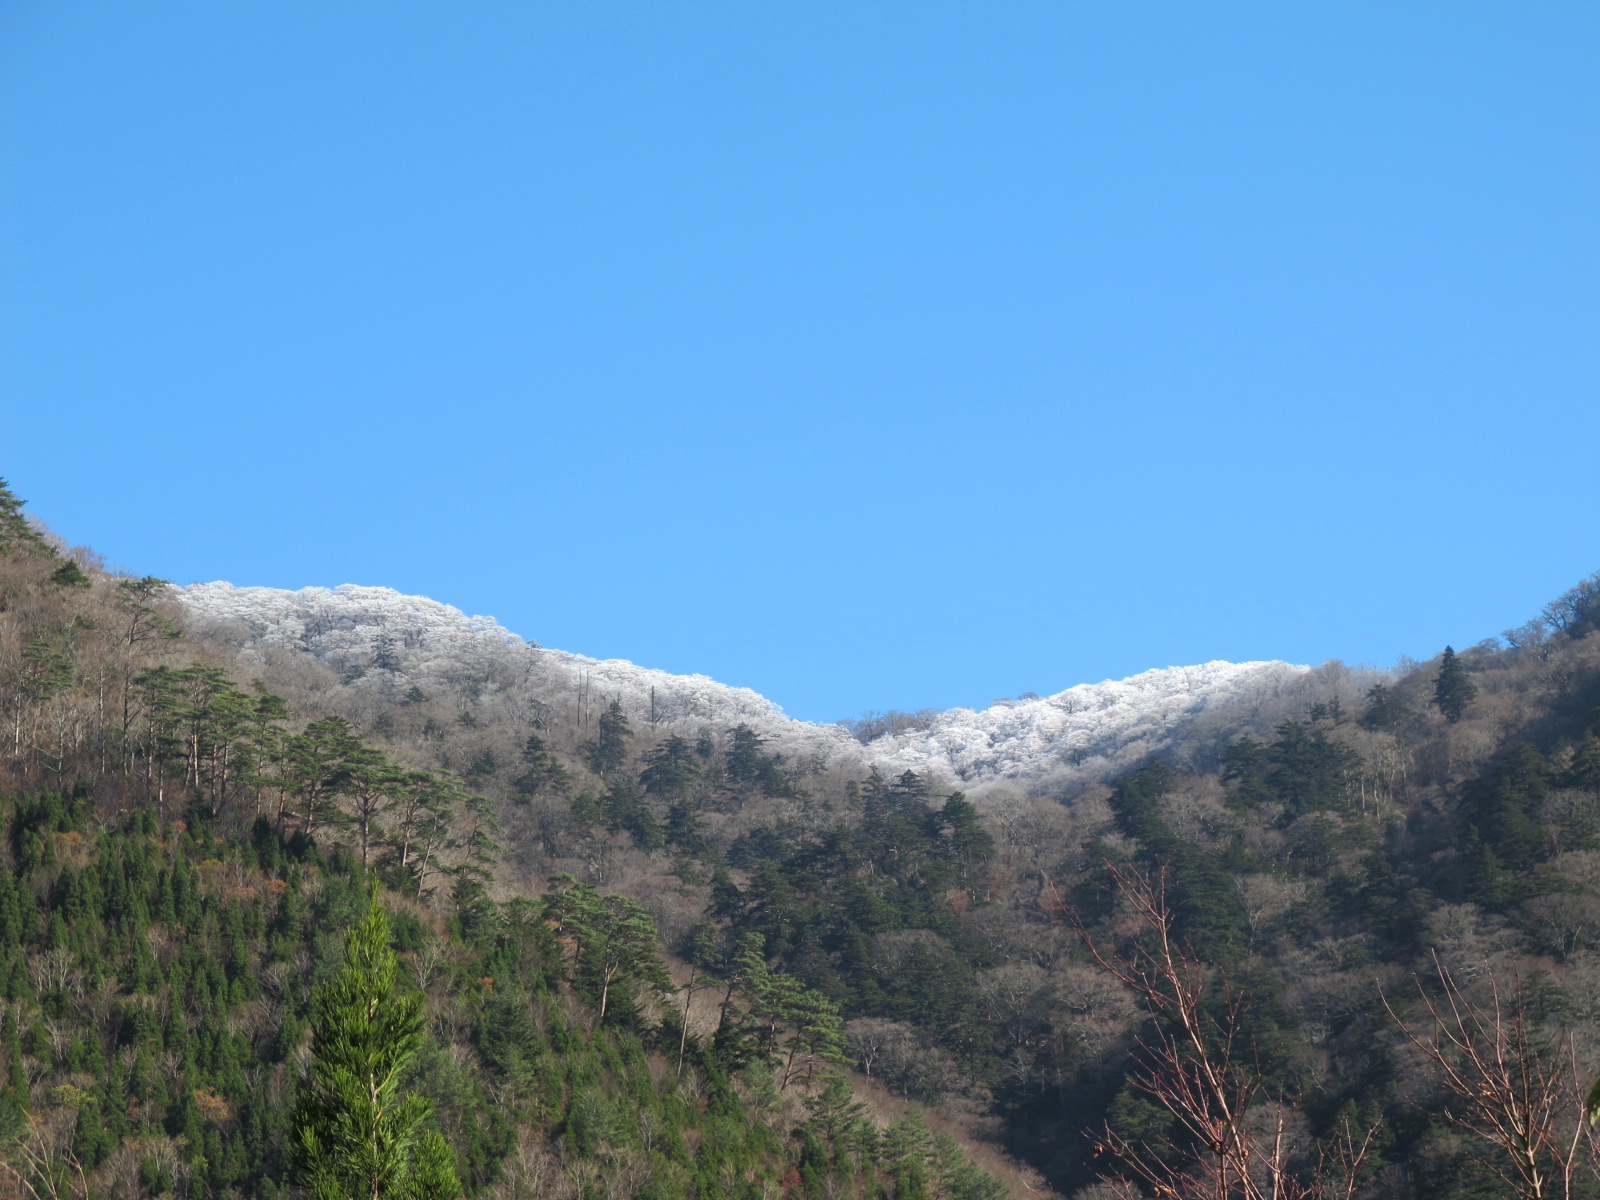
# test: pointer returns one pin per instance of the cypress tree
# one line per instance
(356, 1135)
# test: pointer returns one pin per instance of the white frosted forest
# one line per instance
(379, 644)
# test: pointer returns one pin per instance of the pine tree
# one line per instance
(835, 1111)
(906, 1147)
(1584, 770)
(475, 872)
(16, 532)
(1452, 690)
(356, 1135)
(612, 938)
(320, 763)
(69, 574)
(816, 1034)
(670, 769)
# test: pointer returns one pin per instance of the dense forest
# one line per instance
(1352, 948)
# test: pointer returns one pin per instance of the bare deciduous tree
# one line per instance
(1507, 1085)
(1238, 1142)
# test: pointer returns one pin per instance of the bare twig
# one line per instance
(1193, 1065)
(1505, 1087)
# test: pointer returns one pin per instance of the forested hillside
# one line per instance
(182, 854)
(1296, 905)
(379, 645)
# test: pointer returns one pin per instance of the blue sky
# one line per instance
(889, 355)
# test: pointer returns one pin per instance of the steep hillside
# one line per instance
(181, 852)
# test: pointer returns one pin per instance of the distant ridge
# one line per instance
(381, 643)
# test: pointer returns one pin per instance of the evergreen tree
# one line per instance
(835, 1111)
(1245, 766)
(816, 1034)
(320, 763)
(964, 839)
(670, 770)
(17, 534)
(356, 1135)
(609, 750)
(1134, 803)
(544, 772)
(373, 785)
(475, 872)
(1584, 770)
(906, 1148)
(135, 600)
(613, 941)
(1385, 710)
(1309, 772)
(1452, 690)
(69, 574)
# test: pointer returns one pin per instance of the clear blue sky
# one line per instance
(869, 355)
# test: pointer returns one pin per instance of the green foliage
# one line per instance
(357, 1133)
(1310, 771)
(170, 1081)
(70, 575)
(1135, 802)
(1245, 767)
(17, 535)
(165, 924)
(614, 947)
(543, 773)
(1503, 805)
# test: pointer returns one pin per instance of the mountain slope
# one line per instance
(382, 643)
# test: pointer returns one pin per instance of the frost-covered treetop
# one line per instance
(1090, 731)
(383, 642)
(375, 636)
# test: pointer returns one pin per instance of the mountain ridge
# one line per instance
(383, 642)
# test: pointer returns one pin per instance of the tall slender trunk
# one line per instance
(683, 1033)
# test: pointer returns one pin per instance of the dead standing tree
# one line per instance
(1508, 1086)
(1192, 1064)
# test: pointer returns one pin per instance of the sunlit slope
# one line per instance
(382, 644)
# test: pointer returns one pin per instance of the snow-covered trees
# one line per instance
(382, 644)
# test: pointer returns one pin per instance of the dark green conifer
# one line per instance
(1452, 690)
(69, 574)
(17, 534)
(1584, 770)
(609, 750)
(1385, 711)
